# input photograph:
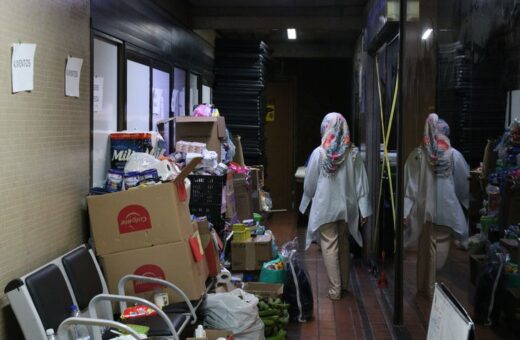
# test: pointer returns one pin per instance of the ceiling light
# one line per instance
(291, 33)
(426, 34)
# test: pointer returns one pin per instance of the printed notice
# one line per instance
(157, 101)
(72, 74)
(97, 94)
(22, 67)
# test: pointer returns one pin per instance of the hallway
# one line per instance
(366, 312)
(358, 315)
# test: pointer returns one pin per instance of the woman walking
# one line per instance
(336, 187)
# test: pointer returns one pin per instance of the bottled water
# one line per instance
(78, 332)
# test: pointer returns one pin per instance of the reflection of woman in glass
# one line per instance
(336, 182)
(436, 191)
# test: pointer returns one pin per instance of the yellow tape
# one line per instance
(386, 138)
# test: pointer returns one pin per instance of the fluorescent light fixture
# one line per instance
(291, 33)
(426, 34)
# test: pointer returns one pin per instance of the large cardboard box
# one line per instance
(201, 239)
(141, 217)
(243, 197)
(173, 262)
(231, 212)
(210, 253)
(256, 180)
(137, 218)
(208, 130)
(251, 254)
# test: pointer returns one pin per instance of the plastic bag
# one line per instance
(266, 202)
(488, 299)
(273, 271)
(228, 147)
(235, 311)
(297, 290)
(205, 110)
(140, 162)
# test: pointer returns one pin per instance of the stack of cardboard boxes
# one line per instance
(148, 231)
(246, 190)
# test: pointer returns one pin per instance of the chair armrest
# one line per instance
(131, 299)
(63, 328)
(140, 278)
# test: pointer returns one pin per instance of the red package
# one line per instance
(137, 312)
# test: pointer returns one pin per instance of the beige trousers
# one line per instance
(427, 258)
(336, 255)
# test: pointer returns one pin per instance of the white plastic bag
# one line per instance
(235, 311)
(140, 162)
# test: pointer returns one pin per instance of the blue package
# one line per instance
(124, 144)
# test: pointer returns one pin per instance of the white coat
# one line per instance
(335, 197)
(436, 199)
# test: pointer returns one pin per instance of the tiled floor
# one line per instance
(358, 315)
(366, 312)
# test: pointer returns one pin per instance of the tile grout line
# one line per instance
(367, 328)
(400, 332)
(380, 297)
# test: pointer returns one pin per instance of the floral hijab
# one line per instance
(335, 140)
(437, 145)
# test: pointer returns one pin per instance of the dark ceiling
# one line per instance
(326, 28)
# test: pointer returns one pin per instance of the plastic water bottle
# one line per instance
(200, 332)
(50, 334)
(78, 332)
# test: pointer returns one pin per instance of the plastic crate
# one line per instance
(206, 190)
(211, 212)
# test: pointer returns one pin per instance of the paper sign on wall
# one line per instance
(22, 67)
(158, 101)
(72, 74)
(97, 94)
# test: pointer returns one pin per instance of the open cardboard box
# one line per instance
(273, 290)
(208, 130)
(141, 217)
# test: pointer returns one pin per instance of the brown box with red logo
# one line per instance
(210, 252)
(201, 239)
(138, 218)
(173, 262)
(141, 217)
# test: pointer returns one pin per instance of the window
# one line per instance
(105, 115)
(179, 92)
(161, 101)
(206, 94)
(137, 96)
(194, 91)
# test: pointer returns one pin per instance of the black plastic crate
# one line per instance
(206, 190)
(212, 212)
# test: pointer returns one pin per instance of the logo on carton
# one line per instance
(149, 270)
(133, 218)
